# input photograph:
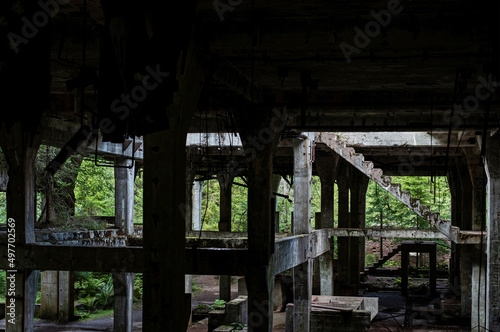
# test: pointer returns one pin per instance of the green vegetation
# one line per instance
(80, 191)
(383, 207)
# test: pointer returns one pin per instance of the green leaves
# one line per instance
(394, 214)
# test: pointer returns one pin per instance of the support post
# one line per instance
(123, 284)
(327, 166)
(57, 301)
(20, 302)
(492, 167)
(196, 212)
(225, 185)
(302, 274)
(165, 307)
(124, 195)
(478, 307)
(341, 284)
(260, 131)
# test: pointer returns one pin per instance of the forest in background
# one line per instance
(81, 190)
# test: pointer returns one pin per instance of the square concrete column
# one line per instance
(478, 298)
(196, 211)
(327, 166)
(302, 274)
(57, 295)
(124, 195)
(492, 167)
(260, 132)
(225, 185)
(123, 284)
(20, 300)
(341, 279)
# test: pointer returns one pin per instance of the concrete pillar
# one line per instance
(190, 176)
(327, 166)
(341, 281)
(124, 195)
(302, 274)
(456, 220)
(164, 302)
(478, 299)
(492, 167)
(260, 131)
(478, 179)
(193, 218)
(123, 284)
(57, 295)
(358, 186)
(196, 211)
(225, 185)
(20, 302)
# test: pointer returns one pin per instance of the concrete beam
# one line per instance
(57, 133)
(406, 139)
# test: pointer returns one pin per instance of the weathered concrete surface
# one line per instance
(57, 299)
(302, 274)
(327, 171)
(58, 132)
(124, 195)
(123, 287)
(478, 301)
(492, 167)
(403, 139)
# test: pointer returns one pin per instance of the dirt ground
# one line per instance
(390, 317)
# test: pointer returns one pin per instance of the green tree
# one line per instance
(94, 191)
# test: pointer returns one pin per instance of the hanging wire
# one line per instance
(84, 55)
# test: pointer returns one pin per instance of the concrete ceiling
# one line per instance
(405, 77)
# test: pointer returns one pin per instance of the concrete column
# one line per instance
(20, 303)
(260, 131)
(57, 291)
(456, 220)
(492, 167)
(190, 176)
(327, 167)
(20, 137)
(225, 185)
(193, 218)
(302, 274)
(196, 212)
(478, 299)
(342, 279)
(358, 186)
(165, 307)
(478, 179)
(123, 284)
(124, 195)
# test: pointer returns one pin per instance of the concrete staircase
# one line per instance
(333, 142)
(381, 261)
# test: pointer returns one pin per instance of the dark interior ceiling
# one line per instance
(288, 53)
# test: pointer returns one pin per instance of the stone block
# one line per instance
(216, 318)
(237, 310)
